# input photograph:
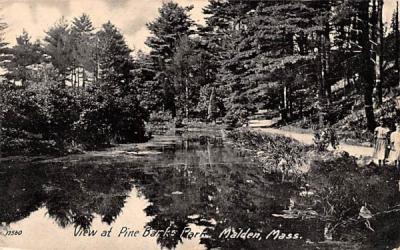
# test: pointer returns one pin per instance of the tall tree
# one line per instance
(3, 57)
(268, 39)
(115, 61)
(166, 30)
(367, 71)
(390, 53)
(84, 49)
(224, 20)
(59, 46)
(149, 91)
(115, 94)
(378, 34)
(396, 31)
(24, 54)
(4, 52)
(192, 70)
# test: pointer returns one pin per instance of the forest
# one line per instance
(310, 63)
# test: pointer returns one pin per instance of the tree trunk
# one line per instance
(73, 78)
(378, 57)
(367, 71)
(325, 69)
(285, 103)
(290, 105)
(1, 124)
(186, 98)
(327, 57)
(322, 72)
(211, 104)
(397, 47)
(83, 78)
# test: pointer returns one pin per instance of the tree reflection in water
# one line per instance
(202, 182)
(72, 194)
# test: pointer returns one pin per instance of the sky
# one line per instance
(130, 16)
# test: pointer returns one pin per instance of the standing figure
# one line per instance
(380, 142)
(394, 155)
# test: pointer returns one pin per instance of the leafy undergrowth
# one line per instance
(352, 129)
(277, 154)
(339, 190)
(357, 200)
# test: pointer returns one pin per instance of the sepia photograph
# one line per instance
(199, 124)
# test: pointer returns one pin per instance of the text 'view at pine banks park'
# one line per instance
(199, 124)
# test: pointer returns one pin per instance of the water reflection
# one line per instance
(198, 181)
(71, 194)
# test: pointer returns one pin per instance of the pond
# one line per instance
(158, 196)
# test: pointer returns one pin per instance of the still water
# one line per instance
(194, 182)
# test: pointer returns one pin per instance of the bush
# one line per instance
(237, 117)
(63, 108)
(278, 154)
(106, 118)
(160, 117)
(48, 118)
(24, 120)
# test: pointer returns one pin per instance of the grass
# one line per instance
(335, 186)
(279, 155)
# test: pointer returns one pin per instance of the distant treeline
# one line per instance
(76, 90)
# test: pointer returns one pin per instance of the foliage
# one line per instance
(52, 115)
(85, 45)
(191, 72)
(166, 30)
(24, 54)
(325, 138)
(115, 62)
(291, 57)
(37, 121)
(336, 182)
(59, 46)
(4, 51)
(278, 154)
(149, 92)
(106, 119)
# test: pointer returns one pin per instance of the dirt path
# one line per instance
(308, 139)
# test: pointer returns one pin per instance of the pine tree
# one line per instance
(115, 61)
(223, 20)
(84, 49)
(114, 107)
(377, 36)
(3, 57)
(82, 25)
(4, 51)
(24, 54)
(271, 38)
(59, 46)
(367, 71)
(149, 91)
(390, 53)
(173, 23)
(166, 30)
(397, 45)
(192, 70)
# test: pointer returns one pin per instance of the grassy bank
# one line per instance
(333, 187)
(277, 154)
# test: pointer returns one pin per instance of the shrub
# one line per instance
(49, 118)
(278, 154)
(106, 118)
(24, 120)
